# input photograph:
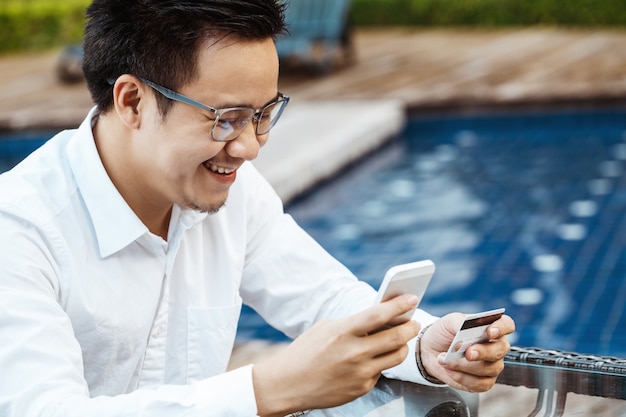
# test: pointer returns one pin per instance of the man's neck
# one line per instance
(111, 140)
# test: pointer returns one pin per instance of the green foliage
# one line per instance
(39, 24)
(489, 12)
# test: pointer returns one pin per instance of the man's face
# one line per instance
(180, 161)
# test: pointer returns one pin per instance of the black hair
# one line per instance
(159, 39)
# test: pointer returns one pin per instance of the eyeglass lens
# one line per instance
(230, 123)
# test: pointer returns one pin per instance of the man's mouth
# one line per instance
(218, 169)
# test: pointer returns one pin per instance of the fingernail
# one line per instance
(473, 355)
(495, 333)
(412, 300)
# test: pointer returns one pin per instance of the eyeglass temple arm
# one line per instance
(172, 95)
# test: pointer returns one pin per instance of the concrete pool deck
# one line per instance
(317, 139)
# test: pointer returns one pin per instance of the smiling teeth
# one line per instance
(220, 170)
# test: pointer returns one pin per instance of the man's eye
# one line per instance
(224, 123)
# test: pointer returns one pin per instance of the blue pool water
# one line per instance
(15, 146)
(524, 211)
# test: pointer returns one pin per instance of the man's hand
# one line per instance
(483, 362)
(334, 361)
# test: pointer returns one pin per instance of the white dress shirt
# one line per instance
(99, 317)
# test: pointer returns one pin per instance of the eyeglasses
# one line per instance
(230, 122)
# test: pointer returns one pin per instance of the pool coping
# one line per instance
(316, 140)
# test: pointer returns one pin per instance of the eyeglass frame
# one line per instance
(173, 95)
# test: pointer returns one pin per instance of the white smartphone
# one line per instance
(472, 330)
(411, 278)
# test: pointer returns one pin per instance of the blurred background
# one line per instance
(486, 135)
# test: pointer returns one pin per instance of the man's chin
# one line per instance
(209, 208)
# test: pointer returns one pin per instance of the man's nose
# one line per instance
(245, 146)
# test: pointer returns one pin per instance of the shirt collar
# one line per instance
(114, 222)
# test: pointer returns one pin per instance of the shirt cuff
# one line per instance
(229, 394)
(408, 370)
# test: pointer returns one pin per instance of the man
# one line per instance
(130, 244)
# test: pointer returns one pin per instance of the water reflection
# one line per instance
(517, 211)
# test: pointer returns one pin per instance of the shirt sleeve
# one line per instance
(289, 278)
(306, 282)
(408, 370)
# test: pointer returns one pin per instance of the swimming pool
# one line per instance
(14, 146)
(524, 211)
(521, 210)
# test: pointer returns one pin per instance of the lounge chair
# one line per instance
(319, 34)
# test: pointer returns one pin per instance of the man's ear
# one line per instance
(129, 95)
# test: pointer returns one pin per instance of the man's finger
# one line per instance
(394, 338)
(390, 358)
(505, 325)
(376, 317)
